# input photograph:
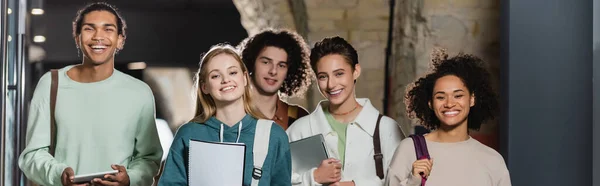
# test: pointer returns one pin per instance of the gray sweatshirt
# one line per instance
(465, 163)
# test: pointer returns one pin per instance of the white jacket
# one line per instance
(359, 162)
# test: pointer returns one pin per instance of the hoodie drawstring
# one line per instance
(238, 136)
(239, 133)
(221, 134)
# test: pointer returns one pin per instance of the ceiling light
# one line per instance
(37, 11)
(136, 66)
(39, 39)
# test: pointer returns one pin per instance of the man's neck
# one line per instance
(268, 103)
(230, 113)
(88, 72)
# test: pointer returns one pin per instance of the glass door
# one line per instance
(13, 14)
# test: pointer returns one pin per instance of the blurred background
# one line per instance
(165, 39)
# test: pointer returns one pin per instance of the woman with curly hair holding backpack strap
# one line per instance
(454, 97)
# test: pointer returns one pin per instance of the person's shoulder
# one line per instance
(44, 83)
(406, 149)
(487, 154)
(46, 80)
(385, 120)
(41, 93)
(389, 125)
(190, 128)
(277, 132)
(299, 124)
(131, 81)
(133, 84)
(407, 143)
(491, 158)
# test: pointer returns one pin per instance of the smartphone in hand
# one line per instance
(86, 178)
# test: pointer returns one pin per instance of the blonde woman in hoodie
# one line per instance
(224, 114)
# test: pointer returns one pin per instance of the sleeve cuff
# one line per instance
(312, 177)
(414, 180)
(134, 177)
(60, 168)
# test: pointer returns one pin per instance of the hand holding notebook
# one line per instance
(308, 153)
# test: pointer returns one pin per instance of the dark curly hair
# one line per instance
(99, 6)
(471, 70)
(299, 75)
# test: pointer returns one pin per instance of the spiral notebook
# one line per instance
(215, 163)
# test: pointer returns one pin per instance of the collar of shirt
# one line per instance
(281, 113)
(365, 120)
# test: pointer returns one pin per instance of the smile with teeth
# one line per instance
(227, 88)
(98, 48)
(450, 113)
(336, 92)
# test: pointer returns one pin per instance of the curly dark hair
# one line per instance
(99, 6)
(299, 75)
(471, 70)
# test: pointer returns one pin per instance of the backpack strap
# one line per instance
(53, 93)
(261, 148)
(377, 147)
(421, 151)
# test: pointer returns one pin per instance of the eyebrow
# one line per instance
(334, 71)
(218, 69)
(442, 92)
(263, 57)
(269, 59)
(94, 25)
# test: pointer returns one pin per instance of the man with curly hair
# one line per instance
(279, 66)
(454, 97)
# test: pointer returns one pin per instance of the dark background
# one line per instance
(170, 33)
(547, 81)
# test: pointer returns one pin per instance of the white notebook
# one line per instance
(214, 163)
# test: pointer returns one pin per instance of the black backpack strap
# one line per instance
(377, 147)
